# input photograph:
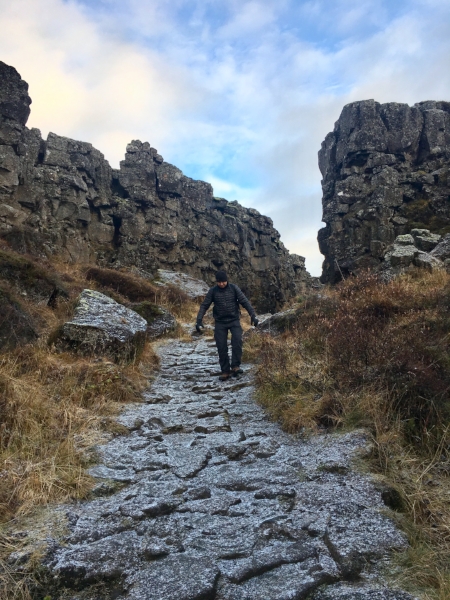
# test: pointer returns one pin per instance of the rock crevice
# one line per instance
(60, 196)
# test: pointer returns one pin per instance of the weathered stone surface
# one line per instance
(425, 240)
(405, 253)
(385, 172)
(401, 255)
(60, 196)
(102, 326)
(348, 591)
(14, 99)
(277, 323)
(238, 511)
(194, 288)
(442, 250)
(180, 577)
(423, 260)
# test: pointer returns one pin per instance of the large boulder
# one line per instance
(442, 249)
(102, 326)
(406, 253)
(159, 320)
(274, 324)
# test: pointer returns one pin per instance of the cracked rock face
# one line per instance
(60, 196)
(102, 326)
(386, 170)
(215, 502)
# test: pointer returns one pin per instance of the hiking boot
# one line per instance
(224, 375)
(235, 371)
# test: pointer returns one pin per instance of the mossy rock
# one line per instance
(148, 311)
(159, 320)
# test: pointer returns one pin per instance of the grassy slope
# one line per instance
(377, 355)
(54, 407)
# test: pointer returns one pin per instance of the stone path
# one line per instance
(218, 503)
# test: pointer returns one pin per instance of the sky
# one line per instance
(237, 93)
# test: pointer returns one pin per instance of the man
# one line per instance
(226, 297)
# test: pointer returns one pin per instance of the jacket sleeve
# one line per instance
(244, 301)
(205, 304)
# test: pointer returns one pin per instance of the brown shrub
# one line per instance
(53, 408)
(136, 289)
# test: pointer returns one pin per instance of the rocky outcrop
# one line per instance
(421, 249)
(102, 326)
(386, 170)
(60, 196)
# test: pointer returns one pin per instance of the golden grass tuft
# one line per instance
(377, 355)
(53, 408)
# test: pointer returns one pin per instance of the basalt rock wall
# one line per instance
(60, 196)
(386, 171)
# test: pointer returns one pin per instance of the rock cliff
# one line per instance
(60, 196)
(386, 171)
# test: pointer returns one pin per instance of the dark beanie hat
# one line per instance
(221, 276)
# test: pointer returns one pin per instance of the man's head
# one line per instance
(222, 279)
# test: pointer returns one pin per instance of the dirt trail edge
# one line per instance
(219, 503)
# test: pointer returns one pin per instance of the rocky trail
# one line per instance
(215, 501)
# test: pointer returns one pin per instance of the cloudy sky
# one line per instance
(239, 93)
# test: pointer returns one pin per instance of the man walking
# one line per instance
(226, 298)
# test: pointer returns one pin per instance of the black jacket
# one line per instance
(226, 303)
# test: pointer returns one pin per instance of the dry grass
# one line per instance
(377, 355)
(130, 287)
(53, 408)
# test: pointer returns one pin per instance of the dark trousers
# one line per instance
(221, 335)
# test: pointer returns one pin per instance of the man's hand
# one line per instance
(254, 321)
(199, 326)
